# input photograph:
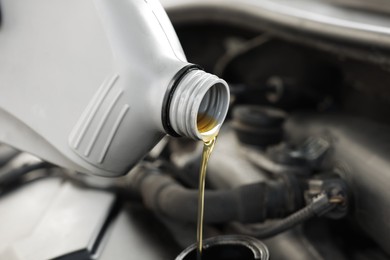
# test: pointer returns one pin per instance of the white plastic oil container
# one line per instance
(93, 85)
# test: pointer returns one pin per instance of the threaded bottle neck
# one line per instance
(199, 105)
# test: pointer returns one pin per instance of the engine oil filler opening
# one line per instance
(228, 247)
(223, 252)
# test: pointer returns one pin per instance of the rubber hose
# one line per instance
(246, 204)
(318, 207)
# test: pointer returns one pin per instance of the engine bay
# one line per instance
(301, 162)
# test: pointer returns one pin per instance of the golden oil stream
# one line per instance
(205, 124)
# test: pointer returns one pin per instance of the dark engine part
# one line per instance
(360, 154)
(256, 125)
(268, 200)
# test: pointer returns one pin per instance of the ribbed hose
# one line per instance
(247, 204)
(318, 207)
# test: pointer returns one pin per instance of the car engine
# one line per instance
(301, 162)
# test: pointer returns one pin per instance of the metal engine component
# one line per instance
(360, 156)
